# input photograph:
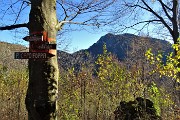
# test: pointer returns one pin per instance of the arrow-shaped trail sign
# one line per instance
(32, 55)
(43, 46)
(33, 38)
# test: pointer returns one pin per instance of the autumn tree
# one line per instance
(13, 84)
(41, 98)
(161, 16)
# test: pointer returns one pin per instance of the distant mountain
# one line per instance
(125, 46)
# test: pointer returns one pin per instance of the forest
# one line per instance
(95, 90)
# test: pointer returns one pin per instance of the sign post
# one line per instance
(43, 46)
(33, 38)
(39, 47)
(32, 55)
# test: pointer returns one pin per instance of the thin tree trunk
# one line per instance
(175, 36)
(41, 98)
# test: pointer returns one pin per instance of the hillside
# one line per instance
(125, 47)
(126, 44)
(101, 89)
(7, 55)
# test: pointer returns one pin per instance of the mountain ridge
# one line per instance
(121, 42)
(123, 46)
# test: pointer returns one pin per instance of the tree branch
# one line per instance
(136, 5)
(11, 27)
(158, 16)
(65, 12)
(19, 12)
(147, 22)
(165, 5)
(164, 8)
(60, 24)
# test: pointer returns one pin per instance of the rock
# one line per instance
(139, 109)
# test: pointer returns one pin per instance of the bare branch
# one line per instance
(74, 10)
(27, 2)
(11, 27)
(147, 22)
(65, 12)
(158, 16)
(136, 5)
(19, 12)
(9, 8)
(165, 10)
(165, 5)
(60, 24)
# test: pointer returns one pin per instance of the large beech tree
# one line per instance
(42, 90)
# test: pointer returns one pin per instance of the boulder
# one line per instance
(139, 109)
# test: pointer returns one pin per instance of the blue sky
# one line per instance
(83, 39)
(75, 40)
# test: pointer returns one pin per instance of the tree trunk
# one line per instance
(41, 98)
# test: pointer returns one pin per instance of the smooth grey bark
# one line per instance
(41, 98)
